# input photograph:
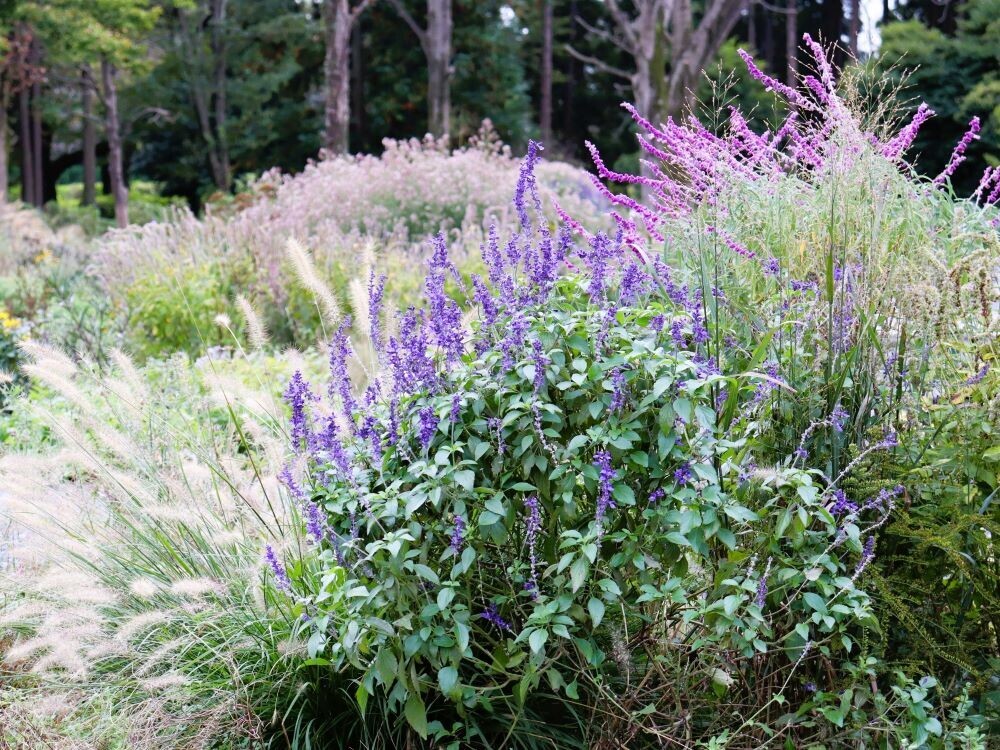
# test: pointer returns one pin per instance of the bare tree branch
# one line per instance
(604, 34)
(414, 26)
(624, 22)
(599, 64)
(361, 8)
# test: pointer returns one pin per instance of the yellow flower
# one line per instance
(7, 322)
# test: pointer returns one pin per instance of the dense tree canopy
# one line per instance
(210, 92)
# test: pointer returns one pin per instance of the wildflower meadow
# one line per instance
(469, 447)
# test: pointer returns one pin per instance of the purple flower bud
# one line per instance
(280, 574)
(532, 526)
(458, 535)
(605, 485)
(683, 474)
(492, 616)
(428, 426)
(315, 523)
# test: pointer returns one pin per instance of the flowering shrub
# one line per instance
(341, 209)
(640, 500)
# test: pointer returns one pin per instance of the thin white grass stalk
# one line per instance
(256, 329)
(305, 271)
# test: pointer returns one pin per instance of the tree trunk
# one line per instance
(218, 41)
(572, 73)
(439, 66)
(545, 105)
(855, 28)
(112, 126)
(27, 168)
(751, 11)
(831, 26)
(357, 85)
(3, 148)
(89, 141)
(792, 42)
(337, 72)
(37, 198)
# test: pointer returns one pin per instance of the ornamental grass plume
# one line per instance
(136, 561)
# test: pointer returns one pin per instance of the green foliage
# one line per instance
(177, 311)
(644, 601)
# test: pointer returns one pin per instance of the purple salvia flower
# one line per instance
(327, 444)
(428, 425)
(315, 523)
(392, 431)
(540, 361)
(772, 267)
(280, 574)
(731, 243)
(458, 535)
(412, 369)
(297, 396)
(890, 440)
(842, 505)
(484, 298)
(683, 473)
(600, 253)
(445, 315)
(532, 526)
(369, 431)
(456, 408)
(773, 84)
(761, 597)
(657, 322)
(656, 495)
(958, 155)
(340, 379)
(605, 485)
(496, 426)
(677, 333)
(286, 478)
(526, 184)
(376, 291)
(609, 317)
(619, 390)
(896, 147)
(633, 284)
(867, 555)
(492, 616)
(978, 377)
(838, 418)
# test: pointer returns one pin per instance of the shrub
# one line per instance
(488, 566)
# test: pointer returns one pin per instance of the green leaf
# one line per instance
(623, 494)
(537, 640)
(679, 539)
(462, 636)
(578, 572)
(815, 602)
(466, 478)
(740, 513)
(416, 715)
(447, 679)
(596, 608)
(361, 696)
